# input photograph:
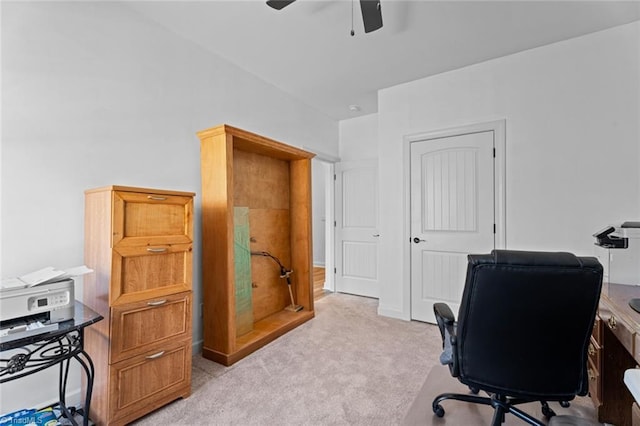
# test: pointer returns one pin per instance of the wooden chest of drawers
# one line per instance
(139, 243)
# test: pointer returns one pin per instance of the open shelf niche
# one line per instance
(245, 175)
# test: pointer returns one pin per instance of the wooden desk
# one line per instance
(615, 347)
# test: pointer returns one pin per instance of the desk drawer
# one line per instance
(595, 354)
(595, 385)
(149, 380)
(597, 331)
(142, 326)
(618, 326)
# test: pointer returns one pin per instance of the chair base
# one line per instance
(501, 404)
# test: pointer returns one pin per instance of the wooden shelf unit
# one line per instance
(272, 179)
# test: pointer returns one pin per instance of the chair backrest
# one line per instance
(524, 323)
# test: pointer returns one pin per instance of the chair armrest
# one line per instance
(442, 310)
(447, 325)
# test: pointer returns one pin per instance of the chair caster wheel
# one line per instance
(565, 404)
(548, 412)
(438, 410)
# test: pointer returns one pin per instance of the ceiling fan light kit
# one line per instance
(371, 12)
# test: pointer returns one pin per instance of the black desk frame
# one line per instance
(40, 351)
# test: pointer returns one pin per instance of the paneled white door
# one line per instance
(357, 234)
(452, 215)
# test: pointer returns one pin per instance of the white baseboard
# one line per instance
(392, 313)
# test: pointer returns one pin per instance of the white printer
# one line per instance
(54, 301)
(47, 293)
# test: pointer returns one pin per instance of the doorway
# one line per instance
(322, 169)
(456, 207)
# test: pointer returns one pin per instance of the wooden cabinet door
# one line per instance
(146, 272)
(147, 381)
(150, 219)
(147, 325)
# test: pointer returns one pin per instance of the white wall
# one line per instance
(318, 185)
(572, 134)
(93, 95)
(359, 138)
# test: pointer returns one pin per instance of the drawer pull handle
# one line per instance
(156, 249)
(591, 374)
(592, 350)
(612, 322)
(156, 198)
(154, 356)
(158, 303)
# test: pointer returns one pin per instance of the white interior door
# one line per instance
(357, 228)
(452, 215)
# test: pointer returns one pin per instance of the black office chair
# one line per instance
(523, 330)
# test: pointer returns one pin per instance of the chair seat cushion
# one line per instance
(632, 380)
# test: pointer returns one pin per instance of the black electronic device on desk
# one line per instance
(38, 349)
(606, 240)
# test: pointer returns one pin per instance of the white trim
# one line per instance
(499, 180)
(392, 313)
(329, 214)
(330, 230)
(323, 156)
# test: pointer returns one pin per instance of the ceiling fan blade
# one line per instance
(279, 4)
(371, 15)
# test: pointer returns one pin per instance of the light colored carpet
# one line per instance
(347, 366)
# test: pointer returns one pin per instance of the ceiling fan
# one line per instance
(371, 12)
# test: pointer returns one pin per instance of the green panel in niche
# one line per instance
(242, 256)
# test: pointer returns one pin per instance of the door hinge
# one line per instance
(494, 228)
(335, 223)
(334, 176)
(494, 153)
(335, 270)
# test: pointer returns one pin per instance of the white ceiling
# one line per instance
(307, 51)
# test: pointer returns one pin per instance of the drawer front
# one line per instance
(144, 326)
(595, 387)
(149, 379)
(595, 353)
(597, 330)
(618, 326)
(140, 218)
(141, 273)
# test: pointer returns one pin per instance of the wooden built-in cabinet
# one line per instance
(139, 242)
(273, 181)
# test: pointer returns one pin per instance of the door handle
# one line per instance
(419, 240)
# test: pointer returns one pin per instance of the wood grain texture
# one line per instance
(216, 155)
(150, 324)
(270, 231)
(143, 383)
(272, 179)
(139, 244)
